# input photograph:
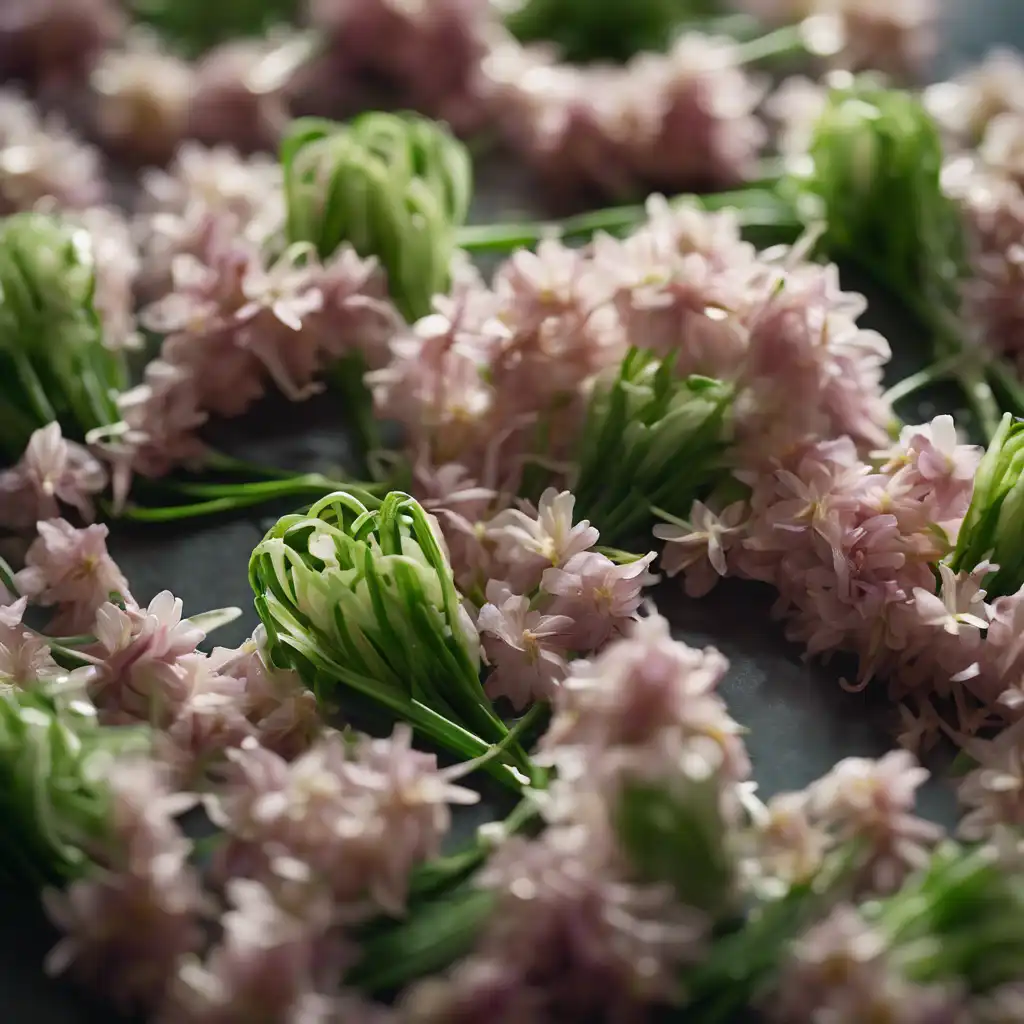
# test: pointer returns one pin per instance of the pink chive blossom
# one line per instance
(575, 934)
(965, 106)
(25, 658)
(41, 161)
(992, 794)
(525, 648)
(647, 702)
(614, 129)
(931, 460)
(54, 43)
(360, 818)
(396, 43)
(128, 924)
(140, 676)
(267, 965)
(789, 846)
(599, 596)
(283, 712)
(698, 547)
(239, 92)
(840, 971)
(873, 801)
(959, 609)
(207, 720)
(528, 545)
(52, 472)
(70, 568)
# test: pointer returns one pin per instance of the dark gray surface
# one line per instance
(800, 721)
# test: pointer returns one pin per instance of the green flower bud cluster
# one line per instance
(393, 186)
(364, 598)
(53, 363)
(653, 440)
(993, 529)
(55, 806)
(873, 180)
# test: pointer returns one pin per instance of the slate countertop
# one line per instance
(800, 720)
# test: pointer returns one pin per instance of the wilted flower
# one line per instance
(141, 99)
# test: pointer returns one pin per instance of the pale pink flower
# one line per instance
(598, 595)
(528, 545)
(51, 472)
(525, 648)
(360, 818)
(41, 162)
(141, 95)
(583, 938)
(959, 609)
(873, 802)
(992, 794)
(25, 658)
(789, 846)
(965, 106)
(283, 711)
(267, 964)
(130, 921)
(647, 703)
(70, 568)
(930, 460)
(140, 675)
(699, 547)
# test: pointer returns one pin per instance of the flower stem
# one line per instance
(755, 208)
(791, 40)
(944, 369)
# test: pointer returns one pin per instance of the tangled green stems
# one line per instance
(653, 441)
(56, 808)
(53, 362)
(364, 598)
(393, 186)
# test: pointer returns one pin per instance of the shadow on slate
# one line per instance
(800, 720)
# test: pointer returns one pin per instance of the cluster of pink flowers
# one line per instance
(854, 549)
(495, 373)
(573, 932)
(425, 54)
(146, 101)
(42, 162)
(897, 37)
(232, 324)
(683, 120)
(549, 596)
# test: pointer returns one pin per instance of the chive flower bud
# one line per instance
(393, 186)
(993, 529)
(53, 363)
(364, 598)
(653, 440)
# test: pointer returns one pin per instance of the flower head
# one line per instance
(71, 569)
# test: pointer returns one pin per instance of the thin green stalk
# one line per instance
(790, 40)
(755, 208)
(944, 369)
